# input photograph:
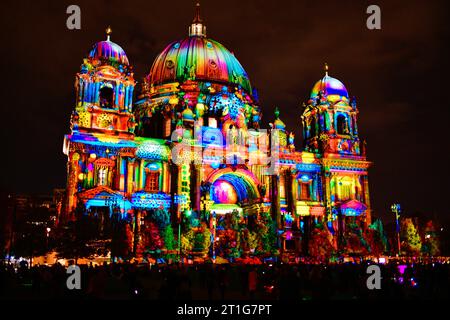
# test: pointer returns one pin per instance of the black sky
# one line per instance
(398, 75)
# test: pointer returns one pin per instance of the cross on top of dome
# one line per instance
(108, 33)
(197, 18)
(108, 50)
(197, 28)
(330, 87)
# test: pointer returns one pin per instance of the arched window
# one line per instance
(102, 177)
(106, 97)
(341, 124)
(103, 169)
(152, 178)
(346, 192)
(345, 189)
(304, 190)
(167, 127)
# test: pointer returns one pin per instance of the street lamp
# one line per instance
(395, 208)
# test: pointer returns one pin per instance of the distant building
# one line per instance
(27, 217)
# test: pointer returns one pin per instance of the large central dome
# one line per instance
(198, 57)
(201, 57)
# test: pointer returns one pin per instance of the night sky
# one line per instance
(398, 75)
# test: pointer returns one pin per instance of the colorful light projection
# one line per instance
(308, 167)
(144, 200)
(198, 58)
(98, 139)
(229, 103)
(152, 149)
(223, 191)
(333, 89)
(242, 181)
(124, 205)
(220, 208)
(288, 219)
(185, 185)
(242, 188)
(198, 79)
(110, 51)
(317, 211)
(107, 199)
(303, 209)
(353, 208)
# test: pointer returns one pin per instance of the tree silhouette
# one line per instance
(376, 238)
(411, 244)
(431, 244)
(355, 243)
(320, 246)
(121, 242)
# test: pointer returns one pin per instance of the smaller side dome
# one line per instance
(332, 89)
(108, 50)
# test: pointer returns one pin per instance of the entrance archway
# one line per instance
(233, 187)
(233, 191)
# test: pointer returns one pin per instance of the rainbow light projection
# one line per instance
(331, 87)
(201, 58)
(244, 182)
(108, 50)
(120, 157)
(224, 192)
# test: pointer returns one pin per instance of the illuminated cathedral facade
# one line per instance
(188, 141)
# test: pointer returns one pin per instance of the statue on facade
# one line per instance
(131, 124)
(74, 120)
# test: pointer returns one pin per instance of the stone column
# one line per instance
(291, 192)
(195, 187)
(367, 199)
(275, 199)
(130, 175)
(174, 185)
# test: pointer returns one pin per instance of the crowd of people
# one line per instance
(300, 282)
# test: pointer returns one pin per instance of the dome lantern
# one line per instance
(108, 50)
(108, 33)
(197, 28)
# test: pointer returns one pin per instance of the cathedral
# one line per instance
(188, 141)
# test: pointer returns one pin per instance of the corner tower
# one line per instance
(330, 119)
(104, 91)
(101, 140)
(330, 131)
